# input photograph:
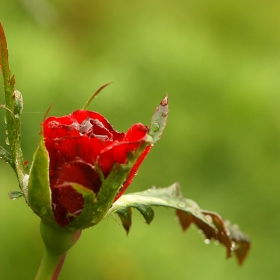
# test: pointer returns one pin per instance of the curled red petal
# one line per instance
(78, 172)
(117, 152)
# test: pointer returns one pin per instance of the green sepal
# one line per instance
(159, 120)
(38, 189)
(109, 189)
(95, 208)
(188, 212)
(84, 219)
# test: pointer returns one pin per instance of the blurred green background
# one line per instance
(219, 61)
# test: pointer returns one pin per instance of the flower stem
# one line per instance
(57, 243)
(50, 266)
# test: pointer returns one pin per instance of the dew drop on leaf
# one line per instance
(181, 205)
(233, 246)
(207, 241)
(7, 141)
(5, 119)
(208, 218)
(155, 127)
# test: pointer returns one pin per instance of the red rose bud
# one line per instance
(83, 165)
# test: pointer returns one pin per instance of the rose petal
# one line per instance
(76, 144)
(66, 200)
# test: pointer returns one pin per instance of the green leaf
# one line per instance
(125, 216)
(188, 212)
(13, 106)
(159, 120)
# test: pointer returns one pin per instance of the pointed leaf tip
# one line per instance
(125, 217)
(159, 120)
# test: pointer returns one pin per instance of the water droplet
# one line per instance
(207, 241)
(7, 141)
(151, 189)
(233, 246)
(155, 127)
(17, 116)
(181, 205)
(43, 210)
(6, 131)
(208, 218)
(5, 119)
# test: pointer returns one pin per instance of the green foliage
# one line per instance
(210, 223)
(13, 106)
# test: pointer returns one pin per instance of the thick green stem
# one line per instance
(50, 266)
(57, 243)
